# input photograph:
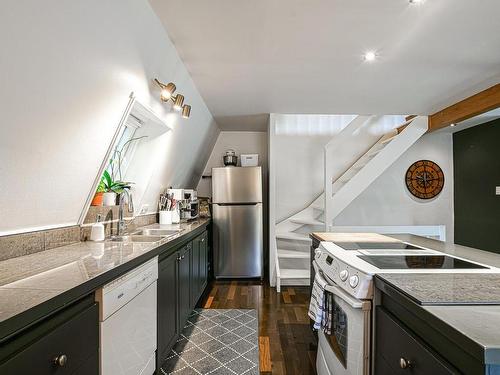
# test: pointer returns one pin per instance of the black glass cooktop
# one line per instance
(386, 262)
(376, 245)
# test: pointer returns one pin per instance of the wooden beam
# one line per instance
(482, 102)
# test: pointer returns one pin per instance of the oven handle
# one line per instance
(336, 291)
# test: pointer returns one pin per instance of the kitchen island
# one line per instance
(431, 322)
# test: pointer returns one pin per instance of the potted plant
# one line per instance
(98, 196)
(112, 188)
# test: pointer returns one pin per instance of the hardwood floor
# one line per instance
(287, 344)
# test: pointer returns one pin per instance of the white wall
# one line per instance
(242, 143)
(388, 202)
(298, 162)
(67, 70)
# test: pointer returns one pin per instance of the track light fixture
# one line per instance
(186, 111)
(178, 102)
(167, 93)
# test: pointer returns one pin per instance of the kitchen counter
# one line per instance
(465, 308)
(447, 289)
(36, 285)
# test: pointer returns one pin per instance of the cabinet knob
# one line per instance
(61, 360)
(404, 363)
(202, 240)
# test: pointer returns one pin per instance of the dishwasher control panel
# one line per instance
(122, 290)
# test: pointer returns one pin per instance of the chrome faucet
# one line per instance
(121, 220)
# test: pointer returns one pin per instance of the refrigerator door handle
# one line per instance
(238, 204)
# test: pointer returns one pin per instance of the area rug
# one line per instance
(216, 341)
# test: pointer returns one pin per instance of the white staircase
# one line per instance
(344, 181)
(341, 191)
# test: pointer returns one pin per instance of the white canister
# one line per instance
(166, 217)
(109, 199)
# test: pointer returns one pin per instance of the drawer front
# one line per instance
(77, 339)
(398, 349)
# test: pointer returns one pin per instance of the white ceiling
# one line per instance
(249, 58)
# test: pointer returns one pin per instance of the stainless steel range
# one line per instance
(348, 265)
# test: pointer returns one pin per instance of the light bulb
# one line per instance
(370, 56)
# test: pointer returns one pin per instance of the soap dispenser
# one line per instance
(97, 230)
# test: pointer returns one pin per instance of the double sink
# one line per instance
(146, 235)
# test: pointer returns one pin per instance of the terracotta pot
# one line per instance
(109, 199)
(97, 200)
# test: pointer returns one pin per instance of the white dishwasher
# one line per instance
(128, 322)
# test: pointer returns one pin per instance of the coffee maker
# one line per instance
(190, 210)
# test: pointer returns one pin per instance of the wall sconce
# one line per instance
(167, 93)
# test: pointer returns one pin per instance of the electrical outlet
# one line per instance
(144, 209)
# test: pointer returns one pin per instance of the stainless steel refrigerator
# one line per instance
(237, 222)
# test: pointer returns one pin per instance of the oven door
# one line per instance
(347, 349)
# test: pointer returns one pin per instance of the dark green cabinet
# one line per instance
(182, 279)
(199, 267)
(398, 351)
(168, 320)
(184, 283)
(67, 343)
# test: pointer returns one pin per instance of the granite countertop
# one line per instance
(468, 303)
(447, 289)
(28, 281)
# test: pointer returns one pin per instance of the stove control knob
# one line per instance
(354, 281)
(344, 275)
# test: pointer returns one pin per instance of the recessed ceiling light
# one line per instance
(370, 56)
(416, 1)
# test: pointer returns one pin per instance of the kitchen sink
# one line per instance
(136, 238)
(158, 232)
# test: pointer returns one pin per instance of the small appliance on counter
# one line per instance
(190, 210)
(249, 160)
(230, 158)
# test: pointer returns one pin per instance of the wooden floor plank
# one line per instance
(264, 354)
(231, 292)
(208, 304)
(286, 297)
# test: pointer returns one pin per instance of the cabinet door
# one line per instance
(64, 350)
(184, 287)
(168, 326)
(195, 271)
(398, 349)
(203, 262)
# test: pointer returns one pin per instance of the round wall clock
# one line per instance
(425, 179)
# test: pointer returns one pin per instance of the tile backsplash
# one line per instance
(17, 245)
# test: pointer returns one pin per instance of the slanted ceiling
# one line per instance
(68, 69)
(298, 56)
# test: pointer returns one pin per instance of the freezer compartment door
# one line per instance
(238, 241)
(237, 185)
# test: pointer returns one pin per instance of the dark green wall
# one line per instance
(476, 159)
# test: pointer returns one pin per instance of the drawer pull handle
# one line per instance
(61, 360)
(404, 363)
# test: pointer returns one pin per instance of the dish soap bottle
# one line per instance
(97, 230)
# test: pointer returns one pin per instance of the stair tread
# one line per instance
(389, 139)
(283, 253)
(305, 221)
(292, 273)
(293, 236)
